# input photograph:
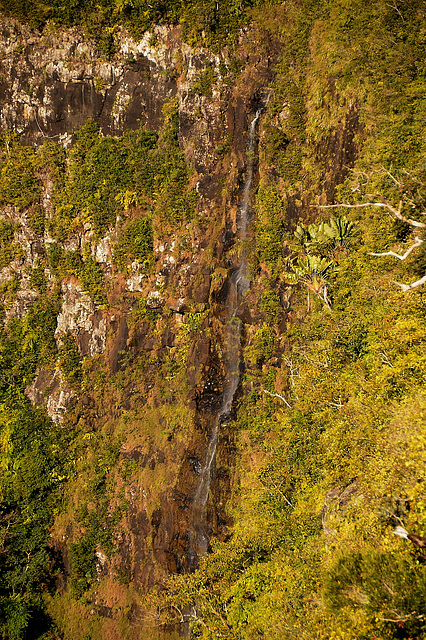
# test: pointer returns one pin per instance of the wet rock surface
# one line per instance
(52, 83)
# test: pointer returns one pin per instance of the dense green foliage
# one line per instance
(143, 178)
(107, 175)
(100, 183)
(69, 360)
(36, 458)
(353, 379)
(207, 21)
(332, 418)
(33, 469)
(330, 422)
(19, 184)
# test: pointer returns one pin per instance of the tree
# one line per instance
(321, 245)
(312, 271)
(396, 212)
(325, 237)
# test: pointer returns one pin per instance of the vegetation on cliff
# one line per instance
(100, 178)
(207, 21)
(331, 420)
(329, 424)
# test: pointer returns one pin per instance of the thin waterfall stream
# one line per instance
(239, 285)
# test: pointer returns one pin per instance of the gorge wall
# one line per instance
(158, 415)
(176, 379)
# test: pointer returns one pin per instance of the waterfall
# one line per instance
(240, 283)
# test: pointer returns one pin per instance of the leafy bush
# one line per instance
(270, 303)
(270, 228)
(38, 280)
(69, 360)
(203, 84)
(135, 242)
(263, 343)
(87, 270)
(93, 280)
(83, 568)
(9, 250)
(37, 221)
(107, 174)
(18, 182)
(34, 467)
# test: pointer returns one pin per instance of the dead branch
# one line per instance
(317, 362)
(388, 588)
(385, 359)
(384, 204)
(218, 614)
(336, 403)
(404, 618)
(293, 370)
(391, 513)
(325, 299)
(396, 211)
(395, 180)
(413, 285)
(173, 606)
(277, 395)
(395, 7)
(417, 243)
(277, 488)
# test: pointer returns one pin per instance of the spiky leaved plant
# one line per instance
(312, 271)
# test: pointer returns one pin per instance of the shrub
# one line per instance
(135, 242)
(263, 344)
(9, 250)
(69, 359)
(93, 280)
(19, 185)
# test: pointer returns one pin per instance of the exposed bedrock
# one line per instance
(51, 84)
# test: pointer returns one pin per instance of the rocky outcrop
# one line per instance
(51, 84)
(78, 315)
(51, 390)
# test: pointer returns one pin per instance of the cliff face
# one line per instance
(53, 82)
(143, 196)
(152, 350)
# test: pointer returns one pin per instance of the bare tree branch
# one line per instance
(386, 205)
(275, 486)
(277, 395)
(396, 181)
(325, 298)
(337, 405)
(385, 360)
(388, 588)
(395, 7)
(403, 618)
(293, 369)
(413, 285)
(417, 243)
(395, 211)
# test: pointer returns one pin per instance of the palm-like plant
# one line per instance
(339, 230)
(320, 239)
(318, 242)
(313, 272)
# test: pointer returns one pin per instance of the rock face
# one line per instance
(78, 315)
(51, 84)
(53, 391)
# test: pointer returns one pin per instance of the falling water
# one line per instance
(240, 283)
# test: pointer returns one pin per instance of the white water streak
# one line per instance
(240, 283)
